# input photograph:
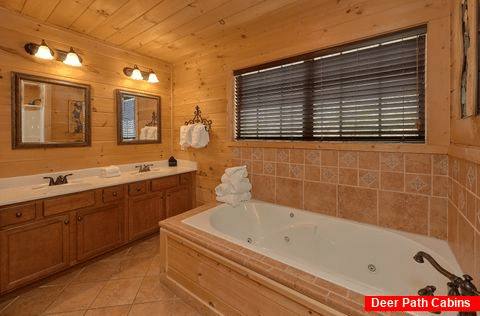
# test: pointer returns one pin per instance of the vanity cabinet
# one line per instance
(40, 238)
(34, 250)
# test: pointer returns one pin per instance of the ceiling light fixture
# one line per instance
(41, 51)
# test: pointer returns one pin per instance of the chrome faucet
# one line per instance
(467, 288)
(144, 167)
(60, 180)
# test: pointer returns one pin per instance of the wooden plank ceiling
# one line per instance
(165, 29)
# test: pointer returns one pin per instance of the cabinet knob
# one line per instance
(66, 222)
(114, 194)
(79, 218)
(19, 214)
(139, 189)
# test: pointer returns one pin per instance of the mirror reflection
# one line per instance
(138, 118)
(49, 112)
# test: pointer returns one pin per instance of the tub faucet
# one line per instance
(467, 288)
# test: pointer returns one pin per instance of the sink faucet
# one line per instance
(144, 167)
(467, 288)
(60, 180)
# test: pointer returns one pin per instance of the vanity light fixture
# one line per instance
(72, 58)
(136, 74)
(41, 51)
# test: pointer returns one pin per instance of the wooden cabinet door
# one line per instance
(99, 230)
(144, 213)
(32, 251)
(179, 200)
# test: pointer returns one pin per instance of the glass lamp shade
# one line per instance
(152, 77)
(72, 59)
(136, 74)
(44, 52)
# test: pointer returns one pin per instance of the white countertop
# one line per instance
(34, 187)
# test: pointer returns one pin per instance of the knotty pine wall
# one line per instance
(102, 70)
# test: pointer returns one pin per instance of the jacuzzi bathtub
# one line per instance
(360, 257)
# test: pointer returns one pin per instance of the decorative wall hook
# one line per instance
(197, 118)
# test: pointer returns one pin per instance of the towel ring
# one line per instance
(197, 118)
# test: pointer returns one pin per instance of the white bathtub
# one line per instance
(360, 257)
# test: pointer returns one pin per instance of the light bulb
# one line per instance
(72, 59)
(43, 51)
(152, 77)
(136, 74)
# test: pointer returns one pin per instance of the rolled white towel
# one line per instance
(143, 133)
(242, 186)
(234, 199)
(233, 170)
(200, 137)
(223, 189)
(152, 133)
(186, 136)
(110, 171)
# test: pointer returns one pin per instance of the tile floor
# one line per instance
(123, 284)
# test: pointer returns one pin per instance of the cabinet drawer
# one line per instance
(17, 214)
(68, 202)
(112, 194)
(164, 183)
(186, 178)
(137, 188)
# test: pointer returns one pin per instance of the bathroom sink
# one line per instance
(153, 171)
(72, 186)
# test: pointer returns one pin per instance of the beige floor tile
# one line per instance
(33, 302)
(4, 304)
(109, 311)
(152, 290)
(118, 292)
(154, 269)
(63, 279)
(160, 308)
(98, 271)
(183, 309)
(148, 248)
(132, 268)
(76, 297)
(75, 313)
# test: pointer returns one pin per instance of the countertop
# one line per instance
(34, 187)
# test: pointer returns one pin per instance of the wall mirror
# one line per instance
(49, 113)
(138, 118)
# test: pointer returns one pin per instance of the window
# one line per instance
(128, 119)
(369, 91)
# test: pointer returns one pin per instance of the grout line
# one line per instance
(8, 305)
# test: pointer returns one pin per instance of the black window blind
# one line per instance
(373, 90)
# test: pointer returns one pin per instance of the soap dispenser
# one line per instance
(172, 162)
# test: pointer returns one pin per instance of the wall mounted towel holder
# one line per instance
(199, 119)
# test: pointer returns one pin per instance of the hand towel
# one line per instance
(232, 170)
(234, 199)
(110, 171)
(200, 137)
(143, 133)
(242, 186)
(152, 133)
(186, 136)
(234, 178)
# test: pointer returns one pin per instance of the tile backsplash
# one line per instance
(429, 194)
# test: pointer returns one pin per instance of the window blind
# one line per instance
(128, 119)
(373, 90)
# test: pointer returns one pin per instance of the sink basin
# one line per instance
(72, 186)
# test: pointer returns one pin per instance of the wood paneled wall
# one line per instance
(206, 79)
(102, 70)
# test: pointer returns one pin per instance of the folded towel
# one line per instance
(152, 133)
(234, 178)
(111, 171)
(234, 199)
(143, 133)
(233, 188)
(223, 189)
(232, 170)
(186, 136)
(200, 137)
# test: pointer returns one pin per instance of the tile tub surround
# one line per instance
(338, 298)
(404, 191)
(20, 189)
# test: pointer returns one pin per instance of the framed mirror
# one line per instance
(138, 118)
(49, 113)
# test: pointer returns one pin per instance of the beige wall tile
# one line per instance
(438, 218)
(452, 226)
(358, 204)
(312, 172)
(282, 170)
(312, 157)
(257, 167)
(440, 186)
(246, 153)
(236, 153)
(263, 188)
(348, 176)
(329, 174)
(296, 171)
(440, 165)
(418, 163)
(368, 178)
(282, 155)
(297, 156)
(329, 158)
(418, 183)
(393, 181)
(348, 159)
(471, 177)
(402, 211)
(369, 160)
(289, 192)
(466, 237)
(470, 208)
(477, 257)
(269, 167)
(269, 154)
(257, 153)
(392, 162)
(320, 197)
